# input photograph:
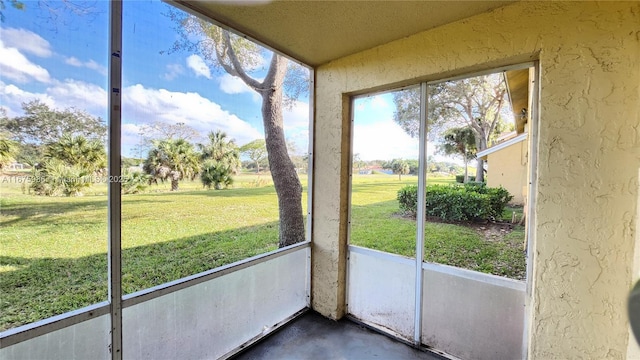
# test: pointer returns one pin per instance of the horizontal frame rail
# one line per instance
(382, 255)
(441, 268)
(164, 289)
(475, 275)
(49, 325)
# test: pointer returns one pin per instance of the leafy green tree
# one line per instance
(237, 56)
(41, 124)
(256, 151)
(459, 142)
(398, 166)
(161, 130)
(476, 103)
(221, 159)
(173, 159)
(414, 166)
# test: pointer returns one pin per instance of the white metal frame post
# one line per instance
(531, 204)
(310, 172)
(115, 263)
(420, 214)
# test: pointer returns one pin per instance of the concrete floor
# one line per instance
(312, 336)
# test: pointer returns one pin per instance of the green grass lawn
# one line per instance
(53, 249)
(376, 224)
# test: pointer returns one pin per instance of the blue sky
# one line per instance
(376, 136)
(62, 59)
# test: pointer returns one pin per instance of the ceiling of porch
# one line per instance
(316, 32)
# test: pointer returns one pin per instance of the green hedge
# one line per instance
(471, 201)
(460, 178)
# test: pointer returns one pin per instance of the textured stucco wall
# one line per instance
(589, 157)
(508, 168)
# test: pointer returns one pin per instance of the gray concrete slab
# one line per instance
(312, 336)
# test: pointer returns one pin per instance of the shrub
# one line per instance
(455, 203)
(498, 197)
(472, 201)
(408, 199)
(56, 178)
(134, 182)
(217, 174)
(460, 178)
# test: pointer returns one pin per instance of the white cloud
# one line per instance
(60, 95)
(12, 98)
(73, 61)
(383, 140)
(88, 64)
(296, 125)
(173, 70)
(195, 63)
(233, 85)
(130, 137)
(79, 94)
(142, 105)
(15, 66)
(296, 116)
(26, 41)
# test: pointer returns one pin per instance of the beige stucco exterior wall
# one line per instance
(589, 156)
(508, 168)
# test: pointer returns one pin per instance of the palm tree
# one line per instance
(8, 151)
(173, 159)
(400, 167)
(221, 157)
(89, 155)
(461, 142)
(68, 166)
(221, 149)
(215, 174)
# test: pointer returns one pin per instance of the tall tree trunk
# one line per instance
(283, 172)
(480, 146)
(466, 170)
(480, 171)
(175, 178)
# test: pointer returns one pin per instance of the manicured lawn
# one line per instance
(377, 225)
(53, 249)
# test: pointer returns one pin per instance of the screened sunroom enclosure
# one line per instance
(581, 153)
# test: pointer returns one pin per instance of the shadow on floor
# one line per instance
(312, 336)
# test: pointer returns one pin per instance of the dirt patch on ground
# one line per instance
(492, 231)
